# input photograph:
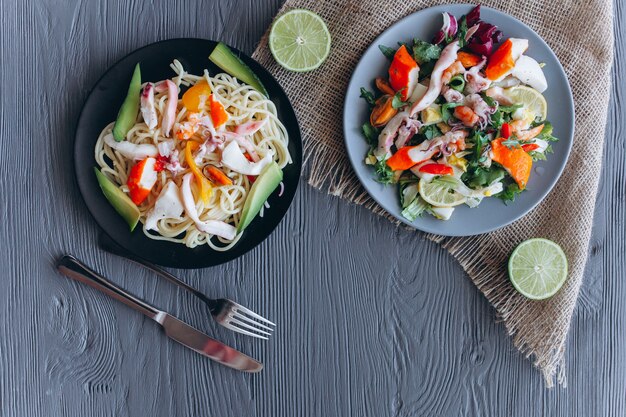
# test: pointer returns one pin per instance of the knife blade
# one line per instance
(197, 341)
(174, 328)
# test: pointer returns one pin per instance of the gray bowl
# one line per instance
(492, 213)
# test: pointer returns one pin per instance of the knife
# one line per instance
(175, 329)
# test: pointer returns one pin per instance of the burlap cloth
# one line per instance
(580, 33)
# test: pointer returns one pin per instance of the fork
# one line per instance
(226, 312)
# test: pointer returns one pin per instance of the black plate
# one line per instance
(101, 109)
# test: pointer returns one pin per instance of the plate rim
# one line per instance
(197, 265)
(519, 215)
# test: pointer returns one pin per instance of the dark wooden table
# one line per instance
(356, 336)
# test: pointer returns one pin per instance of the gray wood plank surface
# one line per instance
(356, 336)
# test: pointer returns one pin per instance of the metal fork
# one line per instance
(226, 312)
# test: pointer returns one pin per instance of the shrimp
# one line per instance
(519, 125)
(454, 69)
(184, 131)
(497, 93)
(529, 134)
(466, 115)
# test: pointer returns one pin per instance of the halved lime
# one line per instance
(532, 100)
(538, 268)
(439, 194)
(299, 40)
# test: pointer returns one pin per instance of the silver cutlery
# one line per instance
(226, 312)
(174, 328)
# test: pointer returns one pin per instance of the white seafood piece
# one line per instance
(408, 128)
(148, 111)
(388, 134)
(212, 227)
(131, 150)
(166, 147)
(451, 95)
(447, 58)
(475, 83)
(167, 206)
(497, 93)
(528, 71)
(507, 82)
(174, 165)
(250, 128)
(233, 158)
(169, 116)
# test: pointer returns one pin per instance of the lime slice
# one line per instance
(438, 194)
(538, 268)
(532, 100)
(299, 40)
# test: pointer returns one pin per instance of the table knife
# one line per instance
(174, 328)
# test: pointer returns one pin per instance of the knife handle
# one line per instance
(73, 268)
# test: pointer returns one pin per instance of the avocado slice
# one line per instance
(270, 177)
(224, 58)
(118, 199)
(127, 115)
(431, 115)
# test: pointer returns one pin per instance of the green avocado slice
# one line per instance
(267, 181)
(224, 58)
(127, 116)
(120, 201)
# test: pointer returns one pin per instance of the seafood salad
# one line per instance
(457, 119)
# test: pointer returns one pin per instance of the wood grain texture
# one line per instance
(373, 320)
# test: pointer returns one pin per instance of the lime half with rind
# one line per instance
(299, 40)
(538, 268)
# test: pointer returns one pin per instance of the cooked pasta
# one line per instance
(252, 123)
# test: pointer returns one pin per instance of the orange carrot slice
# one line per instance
(217, 176)
(467, 59)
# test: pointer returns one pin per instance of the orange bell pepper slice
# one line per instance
(197, 96)
(203, 184)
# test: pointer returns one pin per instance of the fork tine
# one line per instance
(242, 331)
(244, 310)
(234, 320)
(238, 314)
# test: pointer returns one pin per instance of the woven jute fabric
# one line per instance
(580, 33)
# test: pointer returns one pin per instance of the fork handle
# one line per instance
(73, 268)
(108, 245)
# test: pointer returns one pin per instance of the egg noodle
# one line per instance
(243, 104)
